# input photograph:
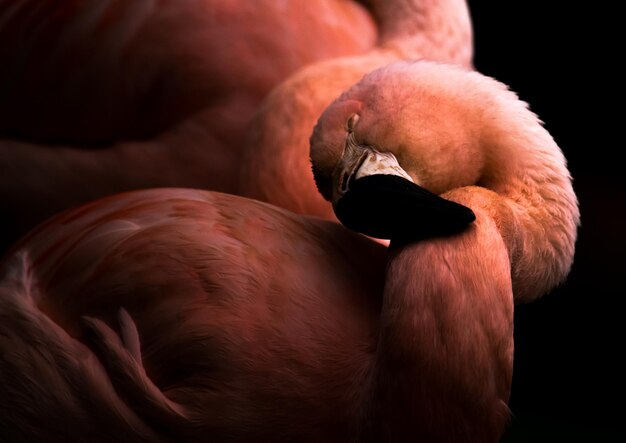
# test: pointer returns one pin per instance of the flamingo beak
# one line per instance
(373, 195)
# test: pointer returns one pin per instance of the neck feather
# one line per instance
(539, 211)
(444, 357)
(439, 30)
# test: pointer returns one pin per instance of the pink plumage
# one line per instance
(245, 322)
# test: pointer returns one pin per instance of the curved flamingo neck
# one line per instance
(432, 29)
(444, 357)
(538, 215)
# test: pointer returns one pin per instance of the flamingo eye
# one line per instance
(351, 122)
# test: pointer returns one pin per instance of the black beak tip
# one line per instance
(391, 207)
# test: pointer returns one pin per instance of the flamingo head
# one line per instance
(384, 151)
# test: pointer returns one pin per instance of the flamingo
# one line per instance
(177, 314)
(276, 166)
(102, 96)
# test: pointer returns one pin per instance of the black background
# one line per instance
(568, 381)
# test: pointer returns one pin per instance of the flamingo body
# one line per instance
(249, 355)
(96, 72)
(99, 97)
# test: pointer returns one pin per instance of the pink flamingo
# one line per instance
(102, 96)
(245, 322)
(276, 166)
